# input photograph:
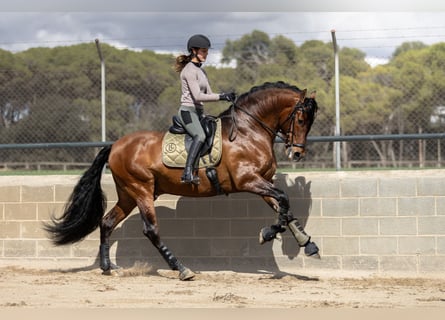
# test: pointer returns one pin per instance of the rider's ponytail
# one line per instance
(181, 61)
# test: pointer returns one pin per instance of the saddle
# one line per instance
(177, 142)
(208, 123)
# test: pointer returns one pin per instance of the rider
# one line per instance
(195, 90)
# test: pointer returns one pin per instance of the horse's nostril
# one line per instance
(297, 156)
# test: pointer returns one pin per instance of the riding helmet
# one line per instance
(198, 41)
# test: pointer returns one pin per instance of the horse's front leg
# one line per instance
(279, 201)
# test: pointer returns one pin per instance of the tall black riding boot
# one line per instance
(192, 156)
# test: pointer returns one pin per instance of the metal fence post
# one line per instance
(337, 103)
(102, 69)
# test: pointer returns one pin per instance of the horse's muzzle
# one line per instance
(297, 156)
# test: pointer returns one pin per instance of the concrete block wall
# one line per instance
(377, 222)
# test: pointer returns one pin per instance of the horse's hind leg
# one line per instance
(151, 232)
(118, 213)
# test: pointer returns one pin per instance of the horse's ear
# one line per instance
(312, 96)
(303, 94)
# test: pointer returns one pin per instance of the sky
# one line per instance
(165, 26)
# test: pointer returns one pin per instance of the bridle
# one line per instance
(290, 132)
(300, 106)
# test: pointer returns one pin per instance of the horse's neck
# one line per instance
(265, 121)
(270, 116)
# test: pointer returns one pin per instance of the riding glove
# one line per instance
(231, 96)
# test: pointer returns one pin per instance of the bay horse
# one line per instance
(250, 127)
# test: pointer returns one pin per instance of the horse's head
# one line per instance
(281, 110)
(298, 124)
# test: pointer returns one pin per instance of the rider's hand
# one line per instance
(231, 96)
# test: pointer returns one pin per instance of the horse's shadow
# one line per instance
(131, 246)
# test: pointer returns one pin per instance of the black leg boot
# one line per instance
(192, 156)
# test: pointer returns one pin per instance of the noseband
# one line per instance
(290, 132)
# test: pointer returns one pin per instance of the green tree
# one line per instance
(52, 119)
(352, 62)
(318, 56)
(408, 46)
(14, 93)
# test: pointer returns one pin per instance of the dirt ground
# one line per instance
(142, 287)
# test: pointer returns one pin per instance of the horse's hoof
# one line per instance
(266, 234)
(186, 274)
(113, 270)
(311, 250)
(261, 238)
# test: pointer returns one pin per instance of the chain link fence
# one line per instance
(60, 101)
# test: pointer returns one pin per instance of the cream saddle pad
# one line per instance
(174, 153)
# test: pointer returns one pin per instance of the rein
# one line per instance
(278, 134)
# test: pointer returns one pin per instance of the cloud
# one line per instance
(375, 33)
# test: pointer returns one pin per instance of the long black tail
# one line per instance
(85, 207)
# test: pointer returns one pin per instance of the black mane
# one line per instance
(311, 107)
(268, 85)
